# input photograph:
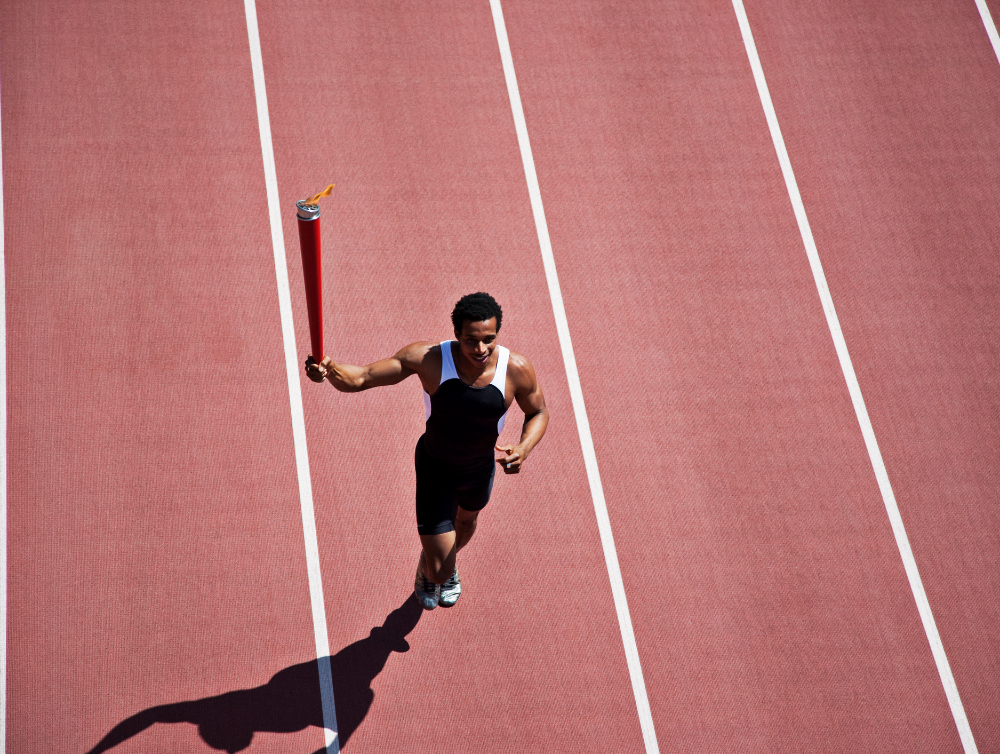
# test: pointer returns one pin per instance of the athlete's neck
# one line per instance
(472, 372)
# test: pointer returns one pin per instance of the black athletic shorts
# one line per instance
(441, 489)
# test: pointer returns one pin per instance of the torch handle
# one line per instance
(312, 271)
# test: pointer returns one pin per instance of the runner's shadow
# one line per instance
(290, 701)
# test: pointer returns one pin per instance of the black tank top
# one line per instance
(464, 422)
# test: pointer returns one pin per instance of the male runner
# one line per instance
(468, 387)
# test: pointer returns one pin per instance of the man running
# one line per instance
(468, 387)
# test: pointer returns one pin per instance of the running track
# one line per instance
(156, 574)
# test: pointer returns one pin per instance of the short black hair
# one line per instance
(475, 307)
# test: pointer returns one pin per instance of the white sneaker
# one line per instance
(451, 590)
(425, 590)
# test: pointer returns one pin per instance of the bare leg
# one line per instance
(440, 549)
(438, 561)
(465, 527)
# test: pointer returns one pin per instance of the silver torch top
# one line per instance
(307, 211)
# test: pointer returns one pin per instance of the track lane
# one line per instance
(892, 122)
(775, 612)
(155, 540)
(404, 107)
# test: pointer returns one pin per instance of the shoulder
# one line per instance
(415, 354)
(520, 370)
(418, 350)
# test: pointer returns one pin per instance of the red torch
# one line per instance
(312, 270)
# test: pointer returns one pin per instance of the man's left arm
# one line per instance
(528, 394)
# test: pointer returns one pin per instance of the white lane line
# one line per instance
(294, 389)
(902, 541)
(576, 391)
(3, 469)
(991, 29)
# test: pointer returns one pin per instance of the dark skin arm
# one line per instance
(415, 358)
(528, 394)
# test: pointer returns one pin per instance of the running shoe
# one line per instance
(451, 590)
(425, 590)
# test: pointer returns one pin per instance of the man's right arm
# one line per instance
(348, 378)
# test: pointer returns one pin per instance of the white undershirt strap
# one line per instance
(448, 371)
(500, 375)
(500, 381)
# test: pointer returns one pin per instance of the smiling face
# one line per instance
(477, 341)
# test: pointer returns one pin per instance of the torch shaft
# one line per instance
(309, 243)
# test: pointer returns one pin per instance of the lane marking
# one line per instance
(294, 389)
(576, 391)
(991, 29)
(3, 467)
(902, 541)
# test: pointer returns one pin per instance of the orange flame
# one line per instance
(320, 195)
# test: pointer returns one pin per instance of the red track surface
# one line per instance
(896, 135)
(155, 548)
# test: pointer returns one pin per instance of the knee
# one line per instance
(440, 574)
(436, 569)
(468, 525)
